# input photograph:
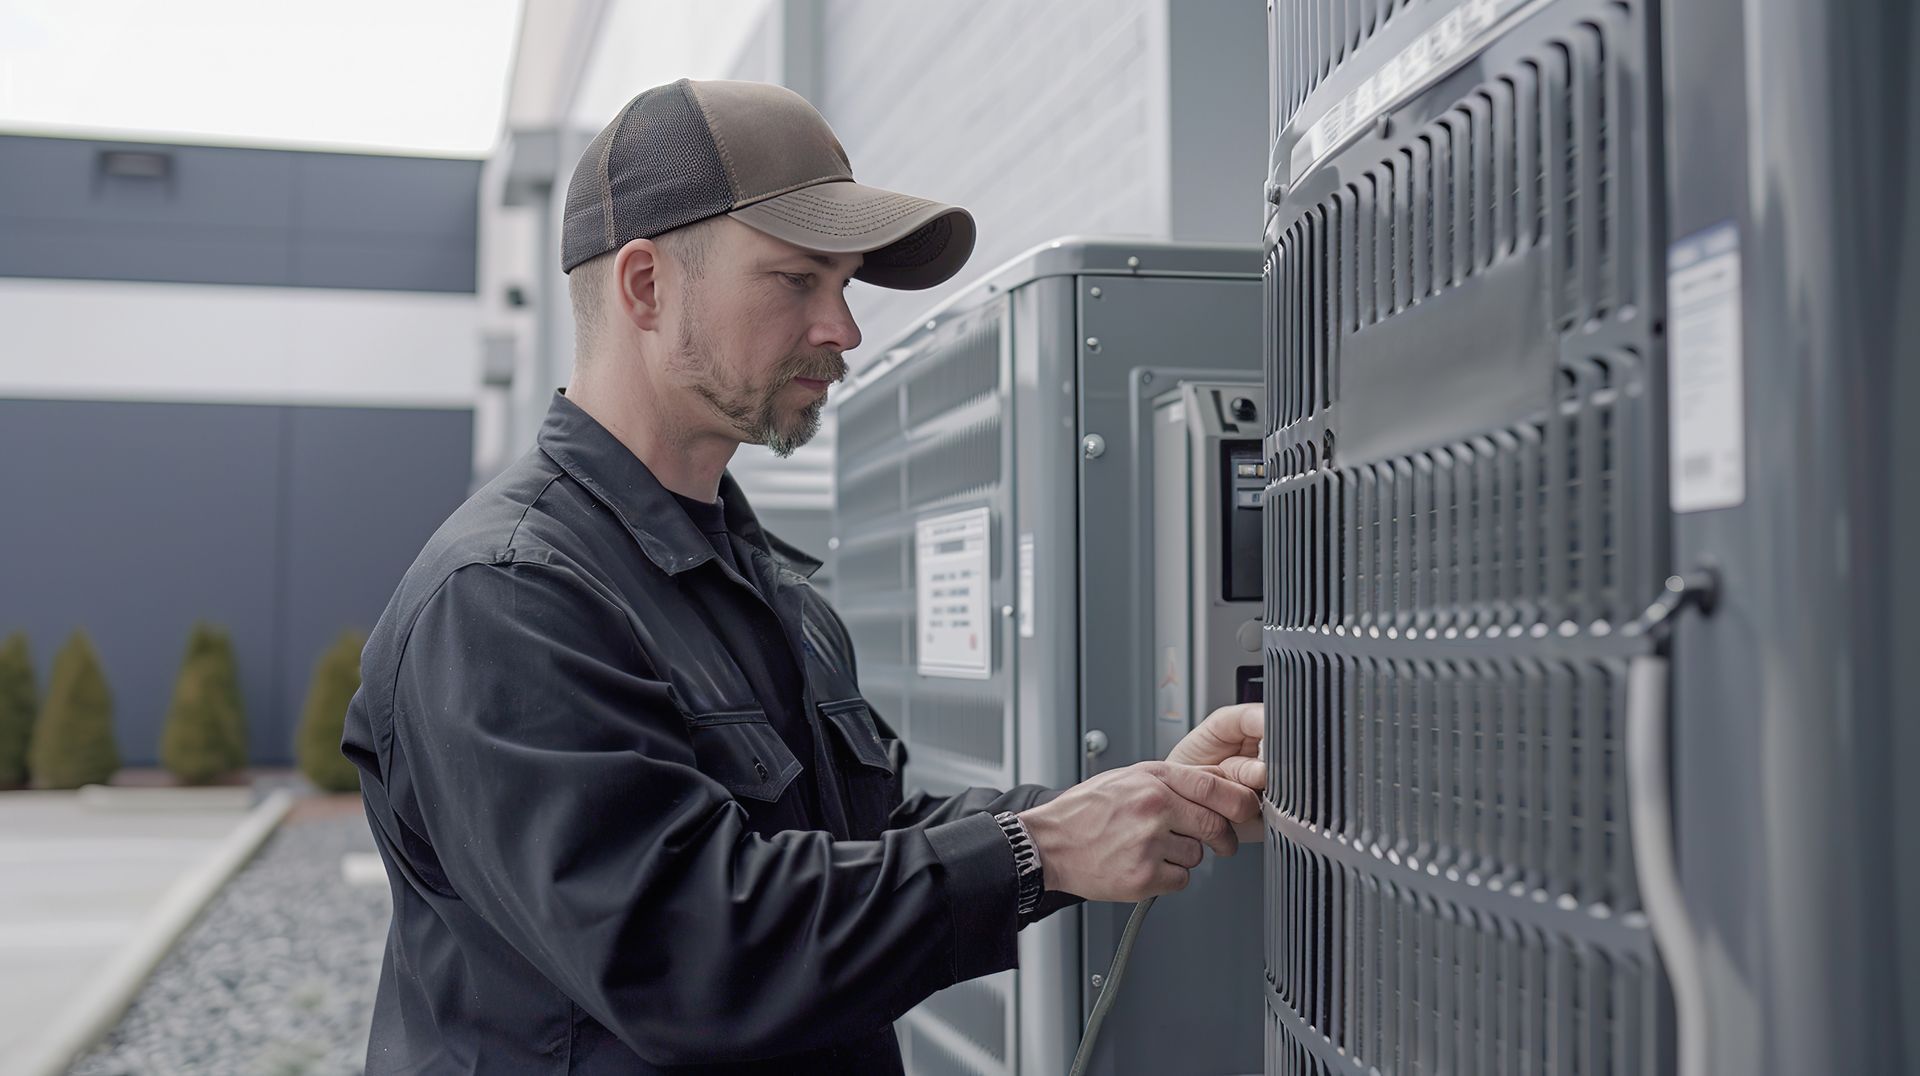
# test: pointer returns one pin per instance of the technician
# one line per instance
(636, 815)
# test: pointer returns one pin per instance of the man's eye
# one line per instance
(798, 280)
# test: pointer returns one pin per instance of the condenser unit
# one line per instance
(1047, 552)
(1583, 526)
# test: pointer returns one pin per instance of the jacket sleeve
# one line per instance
(551, 773)
(923, 810)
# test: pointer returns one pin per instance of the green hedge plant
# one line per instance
(336, 676)
(214, 644)
(19, 704)
(73, 742)
(204, 738)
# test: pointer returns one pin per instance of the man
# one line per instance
(636, 816)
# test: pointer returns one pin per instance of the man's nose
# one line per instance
(833, 324)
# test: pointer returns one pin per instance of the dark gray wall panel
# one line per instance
(131, 521)
(283, 524)
(369, 487)
(226, 215)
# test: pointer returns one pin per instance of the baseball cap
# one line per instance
(764, 156)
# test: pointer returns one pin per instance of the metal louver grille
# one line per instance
(925, 437)
(1451, 884)
(1310, 39)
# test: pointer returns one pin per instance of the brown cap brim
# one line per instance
(910, 243)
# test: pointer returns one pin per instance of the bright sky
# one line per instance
(414, 76)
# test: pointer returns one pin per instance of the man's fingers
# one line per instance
(1209, 789)
(1182, 850)
(1196, 822)
(1230, 730)
(1169, 878)
(1247, 771)
(1245, 721)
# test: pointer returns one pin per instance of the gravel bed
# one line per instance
(275, 979)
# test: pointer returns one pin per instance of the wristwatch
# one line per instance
(1026, 862)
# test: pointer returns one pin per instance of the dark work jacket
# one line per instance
(604, 858)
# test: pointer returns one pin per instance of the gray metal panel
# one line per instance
(220, 215)
(1794, 742)
(281, 524)
(1047, 704)
(1195, 967)
(1452, 883)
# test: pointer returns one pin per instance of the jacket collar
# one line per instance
(591, 455)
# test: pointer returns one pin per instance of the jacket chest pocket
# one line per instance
(739, 749)
(869, 778)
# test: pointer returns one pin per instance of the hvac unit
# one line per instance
(1585, 525)
(1047, 552)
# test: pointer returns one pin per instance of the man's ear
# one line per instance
(636, 284)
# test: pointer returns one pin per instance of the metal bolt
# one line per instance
(1006, 611)
(1098, 981)
(1133, 262)
(1095, 743)
(1095, 292)
(931, 324)
(1093, 343)
(833, 543)
(1093, 446)
(1146, 377)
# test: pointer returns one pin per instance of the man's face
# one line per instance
(760, 334)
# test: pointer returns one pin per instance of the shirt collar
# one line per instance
(592, 456)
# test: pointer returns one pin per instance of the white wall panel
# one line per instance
(113, 340)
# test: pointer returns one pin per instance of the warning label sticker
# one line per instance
(1705, 372)
(952, 575)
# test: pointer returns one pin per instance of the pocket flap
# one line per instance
(742, 751)
(855, 724)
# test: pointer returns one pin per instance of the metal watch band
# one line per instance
(1026, 861)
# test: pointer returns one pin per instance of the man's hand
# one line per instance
(1230, 739)
(1136, 832)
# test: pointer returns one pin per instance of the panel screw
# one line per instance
(1093, 343)
(1095, 743)
(1146, 377)
(1098, 981)
(1133, 262)
(1006, 611)
(833, 543)
(931, 325)
(1093, 446)
(1095, 292)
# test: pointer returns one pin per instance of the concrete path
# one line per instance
(80, 874)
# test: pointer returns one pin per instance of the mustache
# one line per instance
(828, 366)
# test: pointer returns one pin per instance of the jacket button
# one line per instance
(760, 768)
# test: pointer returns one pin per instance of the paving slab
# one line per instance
(78, 881)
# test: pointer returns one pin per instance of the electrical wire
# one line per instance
(1110, 990)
